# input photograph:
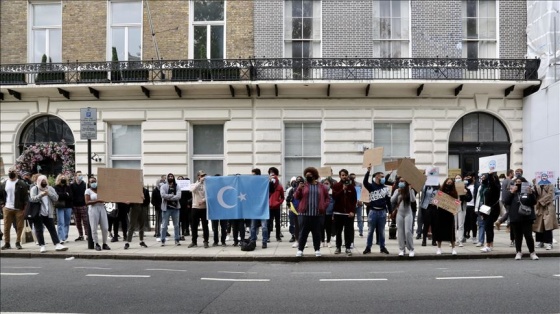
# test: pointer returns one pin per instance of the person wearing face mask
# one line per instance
(97, 215)
(156, 202)
(461, 214)
(63, 206)
(344, 210)
(199, 210)
(13, 198)
(489, 195)
(327, 220)
(401, 200)
(427, 210)
(470, 217)
(289, 202)
(545, 219)
(170, 206)
(379, 205)
(276, 198)
(443, 228)
(79, 208)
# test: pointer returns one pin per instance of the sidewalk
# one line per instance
(276, 251)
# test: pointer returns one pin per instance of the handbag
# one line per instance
(485, 209)
(60, 204)
(32, 210)
(524, 210)
(28, 234)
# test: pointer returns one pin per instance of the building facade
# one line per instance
(227, 86)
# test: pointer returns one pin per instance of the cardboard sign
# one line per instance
(446, 202)
(460, 187)
(452, 173)
(184, 185)
(364, 196)
(120, 185)
(541, 177)
(373, 157)
(395, 164)
(411, 174)
(325, 172)
(492, 163)
(432, 174)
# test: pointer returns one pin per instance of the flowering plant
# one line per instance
(33, 154)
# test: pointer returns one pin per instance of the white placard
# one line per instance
(492, 163)
(184, 185)
(433, 176)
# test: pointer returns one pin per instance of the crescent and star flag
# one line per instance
(237, 197)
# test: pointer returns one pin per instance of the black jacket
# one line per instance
(513, 210)
(21, 194)
(78, 191)
(64, 196)
(156, 199)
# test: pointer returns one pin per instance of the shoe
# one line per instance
(6, 246)
(206, 245)
(80, 238)
(177, 243)
(329, 245)
(61, 242)
(126, 246)
(224, 244)
(264, 246)
(534, 256)
(352, 245)
(384, 250)
(478, 244)
(142, 244)
(474, 240)
(158, 240)
(434, 243)
(292, 239)
(268, 240)
(518, 256)
(295, 245)
(337, 251)
(43, 249)
(18, 246)
(423, 242)
(548, 246)
(464, 240)
(438, 252)
(235, 243)
(367, 251)
(512, 244)
(460, 244)
(348, 252)
(182, 238)
(114, 239)
(453, 252)
(281, 235)
(361, 234)
(105, 246)
(214, 244)
(166, 234)
(227, 238)
(418, 237)
(318, 253)
(278, 240)
(192, 245)
(497, 224)
(486, 249)
(97, 247)
(401, 253)
(411, 253)
(539, 245)
(60, 247)
(299, 253)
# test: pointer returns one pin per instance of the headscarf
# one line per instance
(40, 180)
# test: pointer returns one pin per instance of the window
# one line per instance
(395, 140)
(477, 128)
(208, 149)
(125, 31)
(302, 147)
(46, 32)
(207, 30)
(302, 33)
(479, 29)
(391, 36)
(126, 146)
(46, 129)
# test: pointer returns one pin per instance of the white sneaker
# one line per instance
(539, 244)
(474, 240)
(317, 253)
(534, 256)
(548, 246)
(158, 240)
(352, 246)
(299, 253)
(453, 252)
(478, 244)
(43, 249)
(486, 249)
(401, 253)
(438, 252)
(60, 247)
(329, 244)
(227, 238)
(554, 241)
(518, 256)
(460, 244)
(411, 253)
(295, 245)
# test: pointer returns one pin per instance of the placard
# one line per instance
(184, 185)
(452, 173)
(364, 195)
(411, 174)
(432, 174)
(541, 177)
(446, 202)
(373, 157)
(460, 187)
(325, 171)
(120, 185)
(492, 163)
(394, 164)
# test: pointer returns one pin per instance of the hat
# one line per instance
(293, 179)
(200, 173)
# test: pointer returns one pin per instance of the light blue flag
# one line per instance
(237, 197)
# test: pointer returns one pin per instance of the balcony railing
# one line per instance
(270, 69)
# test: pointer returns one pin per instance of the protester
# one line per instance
(545, 220)
(199, 210)
(219, 229)
(465, 198)
(471, 216)
(379, 205)
(63, 206)
(185, 211)
(345, 200)
(97, 215)
(170, 206)
(327, 221)
(443, 227)
(79, 207)
(138, 213)
(156, 202)
(13, 198)
(428, 210)
(490, 196)
(46, 195)
(359, 212)
(255, 223)
(289, 203)
(276, 199)
(401, 202)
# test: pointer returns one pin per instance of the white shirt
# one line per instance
(10, 194)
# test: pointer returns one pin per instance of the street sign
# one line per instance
(88, 123)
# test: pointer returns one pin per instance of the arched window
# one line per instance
(46, 129)
(478, 128)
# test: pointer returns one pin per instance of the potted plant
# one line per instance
(12, 78)
(47, 75)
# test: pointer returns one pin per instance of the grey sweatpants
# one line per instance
(98, 217)
(404, 231)
(136, 218)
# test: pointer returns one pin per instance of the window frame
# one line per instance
(285, 156)
(126, 26)
(111, 156)
(209, 24)
(392, 40)
(390, 157)
(465, 41)
(209, 157)
(31, 28)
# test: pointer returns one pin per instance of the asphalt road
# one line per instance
(130, 286)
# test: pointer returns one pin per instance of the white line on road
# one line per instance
(22, 267)
(557, 275)
(236, 280)
(236, 272)
(460, 270)
(442, 268)
(310, 272)
(356, 279)
(163, 269)
(473, 277)
(92, 267)
(118, 276)
(18, 274)
(387, 272)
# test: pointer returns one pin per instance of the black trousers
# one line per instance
(184, 221)
(223, 233)
(346, 223)
(310, 224)
(523, 229)
(327, 227)
(238, 226)
(489, 223)
(158, 222)
(470, 222)
(427, 220)
(274, 217)
(38, 222)
(199, 215)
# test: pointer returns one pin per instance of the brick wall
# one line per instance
(239, 28)
(347, 30)
(513, 24)
(166, 15)
(84, 30)
(269, 28)
(13, 31)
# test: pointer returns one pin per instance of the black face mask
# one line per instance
(518, 187)
(43, 185)
(294, 184)
(12, 175)
(309, 179)
(170, 180)
(485, 182)
(63, 181)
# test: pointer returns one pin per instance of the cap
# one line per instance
(200, 173)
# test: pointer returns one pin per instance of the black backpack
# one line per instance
(248, 245)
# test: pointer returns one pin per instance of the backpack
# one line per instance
(247, 245)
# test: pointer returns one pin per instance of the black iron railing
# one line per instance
(267, 69)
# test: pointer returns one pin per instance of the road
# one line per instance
(140, 286)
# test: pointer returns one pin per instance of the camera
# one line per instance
(348, 182)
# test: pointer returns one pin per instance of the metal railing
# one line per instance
(266, 69)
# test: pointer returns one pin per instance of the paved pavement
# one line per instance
(276, 251)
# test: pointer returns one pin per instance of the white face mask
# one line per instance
(273, 180)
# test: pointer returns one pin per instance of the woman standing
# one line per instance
(444, 225)
(545, 215)
(97, 215)
(521, 224)
(490, 197)
(63, 206)
(314, 199)
(46, 195)
(401, 200)
(460, 223)
(328, 217)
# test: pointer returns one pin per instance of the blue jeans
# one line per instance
(63, 216)
(174, 213)
(360, 215)
(481, 232)
(255, 230)
(376, 220)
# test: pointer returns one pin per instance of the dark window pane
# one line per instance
(42, 129)
(385, 28)
(208, 10)
(472, 50)
(470, 128)
(306, 49)
(200, 42)
(471, 8)
(296, 49)
(297, 25)
(307, 8)
(297, 10)
(472, 32)
(307, 28)
(485, 128)
(500, 133)
(457, 132)
(217, 42)
(47, 129)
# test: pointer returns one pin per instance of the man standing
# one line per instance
(380, 203)
(359, 206)
(14, 194)
(505, 189)
(78, 188)
(345, 198)
(276, 198)
(199, 210)
(255, 222)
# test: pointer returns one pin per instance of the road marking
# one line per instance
(442, 268)
(473, 277)
(460, 270)
(163, 269)
(118, 276)
(387, 272)
(556, 275)
(235, 280)
(236, 272)
(356, 279)
(92, 268)
(310, 272)
(22, 267)
(18, 274)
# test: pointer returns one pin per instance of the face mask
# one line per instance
(294, 184)
(63, 181)
(309, 179)
(382, 181)
(12, 175)
(170, 180)
(458, 180)
(518, 187)
(80, 178)
(273, 180)
(466, 182)
(401, 185)
(93, 185)
(43, 185)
